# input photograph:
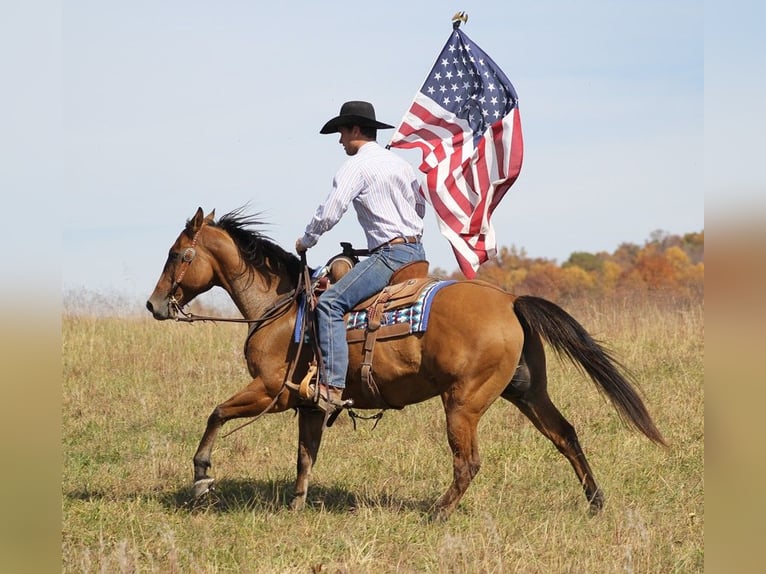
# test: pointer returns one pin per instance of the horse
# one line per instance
(482, 343)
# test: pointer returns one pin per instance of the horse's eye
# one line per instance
(173, 256)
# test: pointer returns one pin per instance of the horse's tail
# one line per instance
(570, 339)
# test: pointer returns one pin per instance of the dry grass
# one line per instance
(137, 393)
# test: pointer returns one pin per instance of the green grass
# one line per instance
(137, 394)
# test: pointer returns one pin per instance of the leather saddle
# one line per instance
(403, 290)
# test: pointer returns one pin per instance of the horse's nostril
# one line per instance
(150, 306)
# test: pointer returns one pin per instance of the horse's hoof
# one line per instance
(596, 505)
(594, 509)
(202, 487)
(438, 516)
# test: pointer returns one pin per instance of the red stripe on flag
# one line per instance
(465, 266)
(516, 157)
(482, 172)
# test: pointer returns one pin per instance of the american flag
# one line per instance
(465, 120)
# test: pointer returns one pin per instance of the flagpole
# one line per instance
(456, 20)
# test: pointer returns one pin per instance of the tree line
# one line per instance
(667, 265)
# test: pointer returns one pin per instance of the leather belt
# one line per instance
(398, 241)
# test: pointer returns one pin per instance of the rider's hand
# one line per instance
(299, 247)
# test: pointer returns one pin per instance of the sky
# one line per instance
(164, 107)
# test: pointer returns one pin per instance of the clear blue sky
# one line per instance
(167, 106)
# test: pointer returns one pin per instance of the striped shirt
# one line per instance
(384, 191)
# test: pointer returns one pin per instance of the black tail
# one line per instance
(570, 339)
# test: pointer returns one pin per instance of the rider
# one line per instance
(385, 193)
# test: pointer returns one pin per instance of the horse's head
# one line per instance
(188, 270)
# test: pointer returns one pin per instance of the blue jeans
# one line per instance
(364, 280)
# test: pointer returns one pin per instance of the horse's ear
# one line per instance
(197, 220)
(210, 217)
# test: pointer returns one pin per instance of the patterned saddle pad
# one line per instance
(415, 315)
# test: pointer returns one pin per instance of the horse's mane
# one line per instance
(257, 249)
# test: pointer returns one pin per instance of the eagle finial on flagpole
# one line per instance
(457, 18)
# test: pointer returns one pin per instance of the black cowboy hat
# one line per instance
(354, 114)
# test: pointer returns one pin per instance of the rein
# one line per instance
(276, 310)
(270, 313)
(303, 282)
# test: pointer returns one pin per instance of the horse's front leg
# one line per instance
(310, 428)
(202, 481)
(249, 402)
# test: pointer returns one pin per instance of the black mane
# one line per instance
(256, 248)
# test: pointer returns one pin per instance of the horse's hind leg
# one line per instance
(549, 421)
(528, 391)
(250, 401)
(461, 434)
(310, 428)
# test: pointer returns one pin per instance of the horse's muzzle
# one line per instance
(161, 310)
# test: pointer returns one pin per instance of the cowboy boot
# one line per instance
(330, 400)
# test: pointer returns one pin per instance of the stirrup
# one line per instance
(327, 402)
(330, 406)
(305, 389)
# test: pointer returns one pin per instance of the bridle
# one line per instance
(186, 259)
(276, 310)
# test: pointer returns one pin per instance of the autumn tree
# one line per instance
(668, 264)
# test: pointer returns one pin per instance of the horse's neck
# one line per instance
(256, 295)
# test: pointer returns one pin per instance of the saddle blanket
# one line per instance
(416, 315)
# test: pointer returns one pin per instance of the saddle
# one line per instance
(403, 290)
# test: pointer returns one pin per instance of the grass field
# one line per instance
(137, 393)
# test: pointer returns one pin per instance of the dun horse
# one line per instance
(481, 343)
